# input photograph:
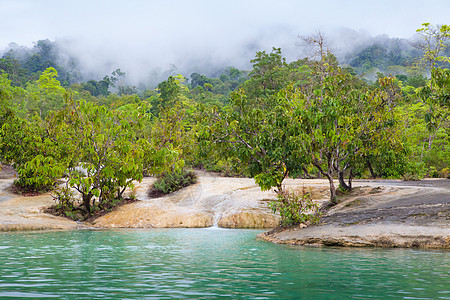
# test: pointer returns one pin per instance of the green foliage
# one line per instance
(295, 208)
(331, 121)
(97, 88)
(28, 146)
(432, 132)
(15, 71)
(168, 183)
(390, 56)
(65, 201)
(269, 73)
(170, 137)
(39, 173)
(104, 143)
(433, 44)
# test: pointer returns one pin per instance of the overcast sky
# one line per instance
(140, 33)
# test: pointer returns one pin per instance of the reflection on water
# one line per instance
(208, 263)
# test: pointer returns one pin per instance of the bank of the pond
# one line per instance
(19, 213)
(213, 201)
(384, 213)
(390, 214)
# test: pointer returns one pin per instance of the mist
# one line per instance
(150, 40)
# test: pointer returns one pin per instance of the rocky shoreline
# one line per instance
(389, 213)
(378, 213)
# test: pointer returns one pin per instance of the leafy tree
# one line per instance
(97, 88)
(16, 72)
(27, 144)
(436, 94)
(268, 76)
(256, 132)
(433, 44)
(46, 94)
(104, 143)
(198, 80)
(329, 121)
(169, 91)
(436, 97)
(342, 124)
(35, 156)
(233, 73)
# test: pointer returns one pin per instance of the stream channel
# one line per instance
(209, 263)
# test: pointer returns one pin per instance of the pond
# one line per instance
(208, 263)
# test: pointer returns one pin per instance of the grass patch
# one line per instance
(168, 183)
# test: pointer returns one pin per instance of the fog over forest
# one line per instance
(150, 65)
(151, 40)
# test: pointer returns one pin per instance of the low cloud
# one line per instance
(150, 39)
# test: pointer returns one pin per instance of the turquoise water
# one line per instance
(208, 263)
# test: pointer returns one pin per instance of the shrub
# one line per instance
(39, 174)
(65, 203)
(445, 173)
(168, 183)
(295, 208)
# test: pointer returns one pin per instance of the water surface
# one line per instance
(208, 263)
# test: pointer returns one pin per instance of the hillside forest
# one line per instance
(315, 117)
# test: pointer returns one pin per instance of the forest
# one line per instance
(315, 117)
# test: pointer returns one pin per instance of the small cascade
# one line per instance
(221, 207)
(212, 201)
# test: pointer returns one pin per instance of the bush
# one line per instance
(39, 174)
(168, 183)
(65, 203)
(295, 208)
(445, 173)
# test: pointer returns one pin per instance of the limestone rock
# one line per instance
(145, 215)
(248, 219)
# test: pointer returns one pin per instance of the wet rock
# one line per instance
(248, 219)
(373, 235)
(145, 215)
(225, 202)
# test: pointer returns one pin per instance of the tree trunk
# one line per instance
(350, 178)
(346, 187)
(333, 199)
(329, 176)
(87, 202)
(372, 173)
(305, 171)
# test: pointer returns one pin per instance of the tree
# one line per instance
(343, 123)
(198, 80)
(256, 131)
(433, 44)
(329, 121)
(436, 94)
(268, 74)
(16, 73)
(46, 94)
(27, 145)
(233, 73)
(316, 44)
(104, 143)
(171, 132)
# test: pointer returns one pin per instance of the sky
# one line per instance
(142, 36)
